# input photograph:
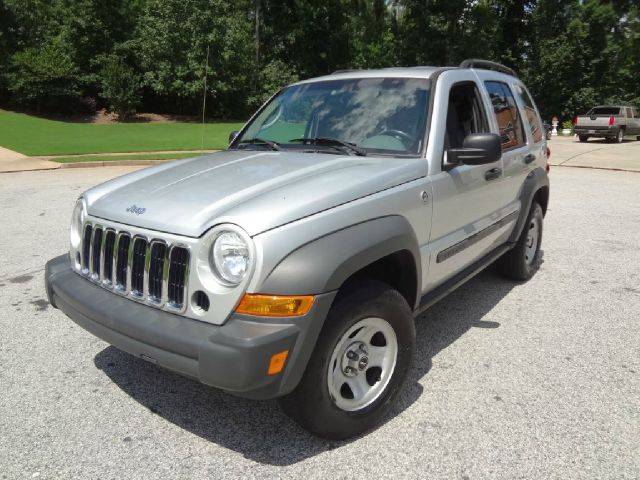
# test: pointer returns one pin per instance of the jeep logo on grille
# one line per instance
(137, 210)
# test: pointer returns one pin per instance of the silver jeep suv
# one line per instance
(292, 264)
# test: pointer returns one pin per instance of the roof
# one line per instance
(397, 72)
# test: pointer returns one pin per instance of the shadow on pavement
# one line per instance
(259, 430)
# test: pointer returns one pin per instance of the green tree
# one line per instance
(120, 86)
(171, 45)
(44, 78)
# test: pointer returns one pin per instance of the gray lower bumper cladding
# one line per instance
(233, 357)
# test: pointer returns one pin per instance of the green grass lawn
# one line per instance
(36, 136)
(113, 158)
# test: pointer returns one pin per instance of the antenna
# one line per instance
(204, 96)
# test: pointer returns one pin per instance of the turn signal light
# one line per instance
(276, 364)
(275, 305)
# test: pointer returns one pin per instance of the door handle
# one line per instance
(529, 158)
(492, 174)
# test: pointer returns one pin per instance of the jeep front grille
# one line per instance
(151, 270)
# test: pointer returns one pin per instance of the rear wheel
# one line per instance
(583, 138)
(359, 364)
(521, 262)
(620, 136)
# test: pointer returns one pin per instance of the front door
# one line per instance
(467, 205)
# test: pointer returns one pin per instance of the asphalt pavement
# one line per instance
(534, 380)
(595, 153)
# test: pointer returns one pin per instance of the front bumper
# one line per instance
(233, 357)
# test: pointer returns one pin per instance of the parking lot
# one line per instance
(534, 380)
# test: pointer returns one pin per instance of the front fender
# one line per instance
(325, 263)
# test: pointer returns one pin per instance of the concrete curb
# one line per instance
(115, 163)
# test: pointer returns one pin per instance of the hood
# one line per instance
(256, 190)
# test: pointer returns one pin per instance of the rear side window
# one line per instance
(531, 113)
(507, 115)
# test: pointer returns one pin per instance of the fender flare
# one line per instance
(324, 264)
(537, 179)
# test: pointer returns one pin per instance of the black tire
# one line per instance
(517, 264)
(583, 138)
(619, 136)
(638, 138)
(311, 404)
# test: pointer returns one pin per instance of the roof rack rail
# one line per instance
(487, 65)
(346, 70)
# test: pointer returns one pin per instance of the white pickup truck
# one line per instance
(608, 121)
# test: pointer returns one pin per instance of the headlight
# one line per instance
(231, 258)
(77, 219)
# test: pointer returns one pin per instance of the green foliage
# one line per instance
(273, 77)
(120, 86)
(571, 53)
(44, 77)
(171, 44)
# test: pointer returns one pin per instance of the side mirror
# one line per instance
(477, 149)
(233, 135)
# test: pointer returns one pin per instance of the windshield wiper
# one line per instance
(261, 141)
(351, 148)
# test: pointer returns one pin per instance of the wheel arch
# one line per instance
(534, 188)
(385, 249)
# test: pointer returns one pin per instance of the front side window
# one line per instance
(531, 114)
(382, 115)
(465, 114)
(507, 115)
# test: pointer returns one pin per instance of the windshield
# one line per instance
(381, 115)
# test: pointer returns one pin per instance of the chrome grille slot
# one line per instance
(108, 255)
(178, 267)
(134, 264)
(138, 259)
(86, 247)
(96, 250)
(122, 261)
(157, 253)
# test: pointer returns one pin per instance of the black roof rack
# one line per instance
(347, 70)
(487, 65)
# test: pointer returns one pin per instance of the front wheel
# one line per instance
(521, 261)
(359, 364)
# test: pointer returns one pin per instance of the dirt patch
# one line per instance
(40, 304)
(21, 279)
(104, 117)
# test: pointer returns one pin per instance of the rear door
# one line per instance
(522, 143)
(468, 206)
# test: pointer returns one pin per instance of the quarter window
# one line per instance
(531, 113)
(506, 111)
